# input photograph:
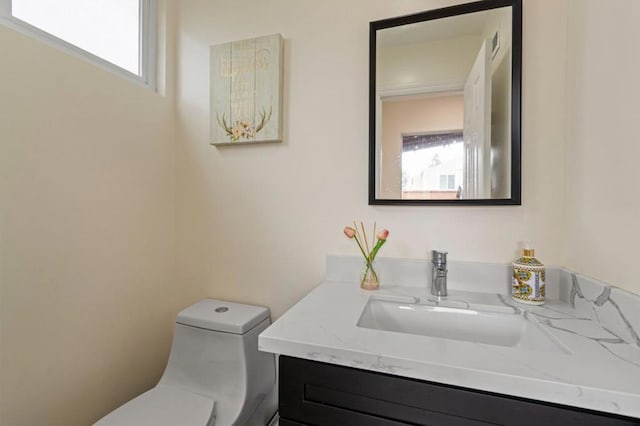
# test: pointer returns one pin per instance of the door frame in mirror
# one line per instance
(516, 99)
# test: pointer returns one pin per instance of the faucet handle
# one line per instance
(439, 257)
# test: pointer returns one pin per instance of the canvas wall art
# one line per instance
(246, 91)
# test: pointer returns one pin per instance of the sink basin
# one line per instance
(466, 324)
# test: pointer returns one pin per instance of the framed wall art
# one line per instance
(246, 91)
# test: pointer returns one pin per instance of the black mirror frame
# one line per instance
(516, 99)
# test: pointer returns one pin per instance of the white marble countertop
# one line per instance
(598, 370)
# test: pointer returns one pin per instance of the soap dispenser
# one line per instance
(528, 285)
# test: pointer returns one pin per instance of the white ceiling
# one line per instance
(439, 29)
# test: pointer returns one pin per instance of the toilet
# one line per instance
(215, 374)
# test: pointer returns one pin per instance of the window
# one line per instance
(447, 181)
(119, 35)
(432, 163)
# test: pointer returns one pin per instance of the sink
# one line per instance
(491, 326)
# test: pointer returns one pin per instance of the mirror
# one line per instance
(444, 106)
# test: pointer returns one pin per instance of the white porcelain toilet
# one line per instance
(215, 374)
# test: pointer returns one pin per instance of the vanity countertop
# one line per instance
(599, 368)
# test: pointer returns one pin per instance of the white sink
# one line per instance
(488, 326)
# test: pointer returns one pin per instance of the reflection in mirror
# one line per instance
(444, 107)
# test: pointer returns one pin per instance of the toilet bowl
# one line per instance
(215, 373)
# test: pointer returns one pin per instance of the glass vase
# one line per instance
(369, 280)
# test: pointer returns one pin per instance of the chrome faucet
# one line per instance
(439, 273)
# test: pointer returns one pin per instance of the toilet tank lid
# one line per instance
(218, 315)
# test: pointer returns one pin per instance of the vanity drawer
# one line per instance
(316, 393)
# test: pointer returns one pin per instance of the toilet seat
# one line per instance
(163, 406)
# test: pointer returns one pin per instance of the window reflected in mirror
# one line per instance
(432, 166)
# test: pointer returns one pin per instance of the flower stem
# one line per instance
(375, 250)
(355, 226)
(373, 236)
(361, 249)
(366, 239)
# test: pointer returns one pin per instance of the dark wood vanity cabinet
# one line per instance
(316, 393)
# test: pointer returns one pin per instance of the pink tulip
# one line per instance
(383, 234)
(349, 232)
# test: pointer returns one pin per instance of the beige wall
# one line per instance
(603, 199)
(87, 288)
(412, 115)
(256, 222)
(90, 187)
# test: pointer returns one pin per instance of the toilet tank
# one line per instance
(215, 353)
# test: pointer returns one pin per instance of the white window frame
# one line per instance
(147, 39)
